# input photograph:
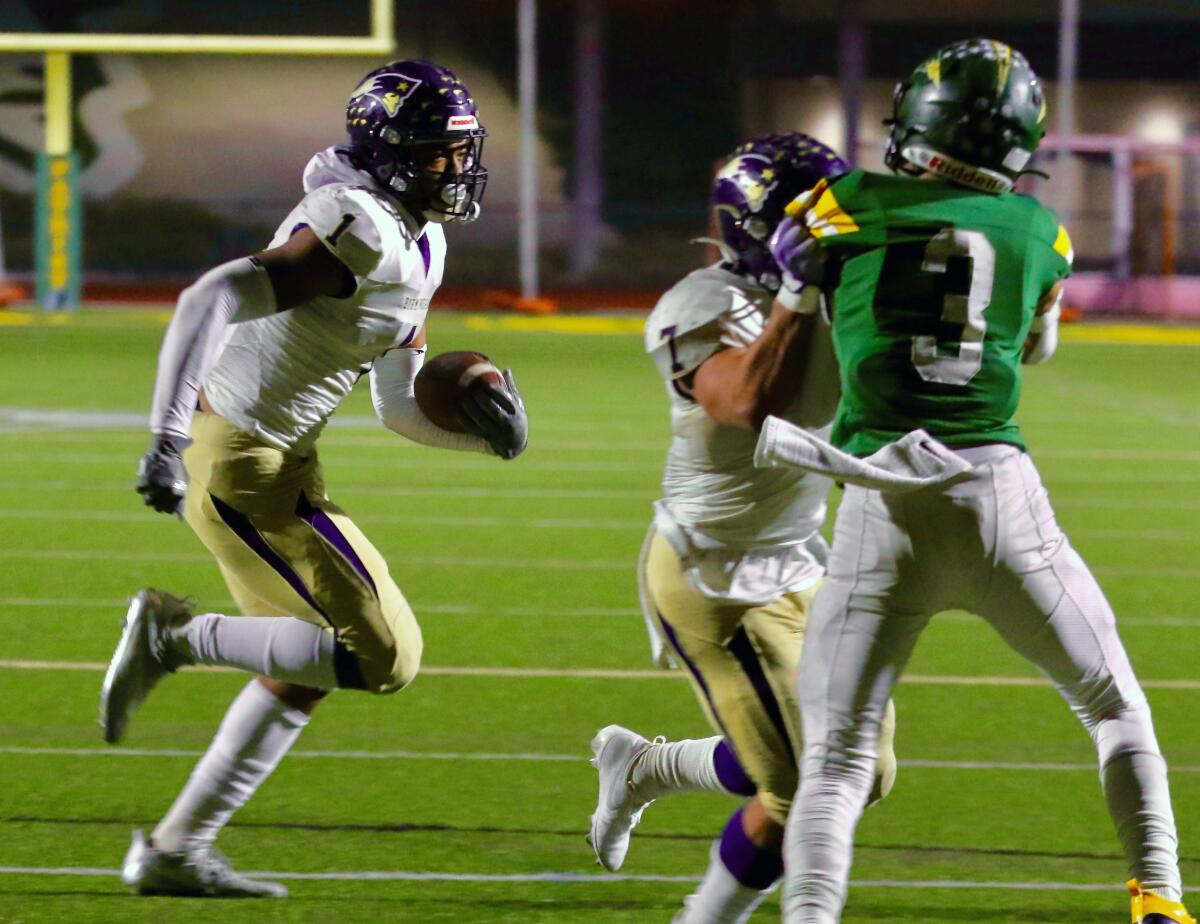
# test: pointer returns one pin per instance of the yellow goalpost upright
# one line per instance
(58, 227)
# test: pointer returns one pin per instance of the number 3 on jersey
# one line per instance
(962, 309)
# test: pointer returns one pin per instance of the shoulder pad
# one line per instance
(353, 222)
(681, 332)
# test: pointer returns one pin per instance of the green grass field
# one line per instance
(466, 797)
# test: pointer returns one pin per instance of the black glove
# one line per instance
(497, 415)
(161, 477)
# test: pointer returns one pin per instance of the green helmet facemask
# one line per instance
(974, 113)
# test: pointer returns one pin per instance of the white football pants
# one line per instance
(990, 546)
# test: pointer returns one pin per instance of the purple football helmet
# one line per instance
(403, 105)
(752, 189)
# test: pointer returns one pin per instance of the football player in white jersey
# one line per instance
(734, 556)
(258, 355)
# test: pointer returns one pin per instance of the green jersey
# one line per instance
(935, 288)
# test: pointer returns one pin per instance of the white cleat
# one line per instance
(681, 916)
(142, 658)
(617, 810)
(202, 873)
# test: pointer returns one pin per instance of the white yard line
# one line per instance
(423, 520)
(529, 757)
(135, 516)
(458, 462)
(448, 609)
(645, 495)
(607, 673)
(60, 485)
(416, 561)
(17, 421)
(555, 877)
(302, 754)
(537, 612)
(468, 561)
(388, 462)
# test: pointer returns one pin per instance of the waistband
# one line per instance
(985, 455)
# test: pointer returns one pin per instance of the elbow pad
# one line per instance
(392, 380)
(229, 294)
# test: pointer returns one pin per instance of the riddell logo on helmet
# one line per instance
(975, 177)
(462, 122)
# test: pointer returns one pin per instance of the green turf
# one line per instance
(529, 565)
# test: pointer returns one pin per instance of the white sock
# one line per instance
(1134, 776)
(675, 766)
(256, 732)
(720, 898)
(281, 647)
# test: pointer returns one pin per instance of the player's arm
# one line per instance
(495, 418)
(1043, 332)
(740, 387)
(274, 280)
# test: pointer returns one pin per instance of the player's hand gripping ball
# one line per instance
(464, 392)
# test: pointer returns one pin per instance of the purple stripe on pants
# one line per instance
(742, 649)
(730, 773)
(753, 866)
(249, 534)
(320, 521)
(671, 637)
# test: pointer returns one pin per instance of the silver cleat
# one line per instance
(142, 658)
(203, 873)
(617, 811)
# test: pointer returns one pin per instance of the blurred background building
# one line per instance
(186, 160)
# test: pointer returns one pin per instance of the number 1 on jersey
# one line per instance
(669, 333)
(961, 309)
(346, 222)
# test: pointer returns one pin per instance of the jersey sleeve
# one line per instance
(685, 328)
(1052, 252)
(821, 209)
(1062, 247)
(344, 224)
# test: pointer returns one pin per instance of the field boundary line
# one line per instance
(606, 673)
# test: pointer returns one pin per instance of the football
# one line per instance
(444, 380)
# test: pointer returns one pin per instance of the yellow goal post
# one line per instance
(58, 213)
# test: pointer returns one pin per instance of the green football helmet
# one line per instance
(973, 113)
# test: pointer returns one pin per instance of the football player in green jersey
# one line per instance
(940, 282)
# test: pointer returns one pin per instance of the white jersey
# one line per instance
(280, 377)
(748, 534)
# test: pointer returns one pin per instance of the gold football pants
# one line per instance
(285, 549)
(742, 663)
